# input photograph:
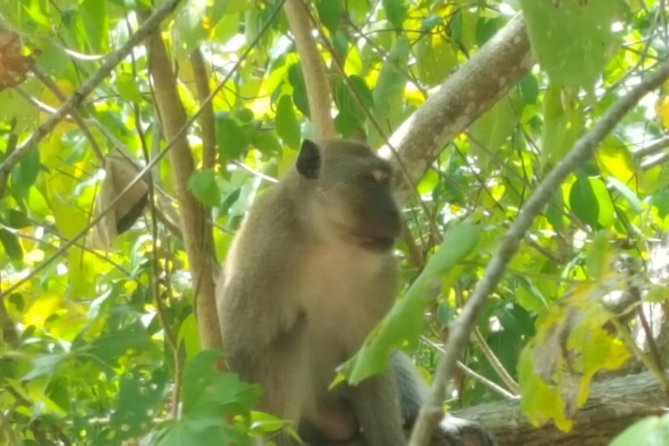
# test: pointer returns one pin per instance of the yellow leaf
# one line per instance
(41, 309)
(662, 111)
(616, 161)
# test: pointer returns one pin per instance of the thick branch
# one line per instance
(613, 405)
(315, 76)
(77, 98)
(463, 325)
(462, 99)
(197, 231)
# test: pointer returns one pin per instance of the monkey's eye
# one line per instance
(379, 176)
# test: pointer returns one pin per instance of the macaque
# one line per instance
(309, 274)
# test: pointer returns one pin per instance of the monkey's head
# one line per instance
(349, 194)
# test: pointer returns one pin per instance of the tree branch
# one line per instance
(87, 87)
(207, 121)
(313, 69)
(196, 228)
(462, 99)
(613, 405)
(463, 325)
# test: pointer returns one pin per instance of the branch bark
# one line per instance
(463, 325)
(110, 62)
(463, 97)
(197, 231)
(613, 405)
(313, 69)
(207, 121)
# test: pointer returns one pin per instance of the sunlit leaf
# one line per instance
(563, 123)
(662, 111)
(435, 58)
(591, 203)
(95, 23)
(571, 39)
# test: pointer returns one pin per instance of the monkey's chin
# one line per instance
(375, 244)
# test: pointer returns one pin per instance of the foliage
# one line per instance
(100, 346)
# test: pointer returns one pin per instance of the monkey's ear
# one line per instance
(309, 160)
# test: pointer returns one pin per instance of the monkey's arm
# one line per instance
(376, 404)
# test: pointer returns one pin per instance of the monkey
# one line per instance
(308, 275)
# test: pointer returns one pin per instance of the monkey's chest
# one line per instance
(344, 297)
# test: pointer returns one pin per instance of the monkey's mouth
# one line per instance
(377, 244)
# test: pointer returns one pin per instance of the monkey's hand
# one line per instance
(455, 431)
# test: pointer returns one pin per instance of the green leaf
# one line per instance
(202, 184)
(401, 328)
(529, 89)
(25, 175)
(208, 391)
(95, 24)
(266, 142)
(555, 210)
(230, 138)
(563, 123)
(651, 431)
(626, 192)
(11, 244)
(491, 130)
(138, 397)
(435, 58)
(116, 342)
(329, 11)
(16, 219)
(571, 39)
(351, 115)
(286, 123)
(192, 24)
(201, 431)
(529, 296)
(395, 11)
(44, 365)
(128, 88)
(540, 401)
(591, 203)
(296, 79)
(599, 254)
(389, 91)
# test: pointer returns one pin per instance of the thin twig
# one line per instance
(652, 148)
(473, 374)
(496, 364)
(582, 151)
(655, 161)
(641, 355)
